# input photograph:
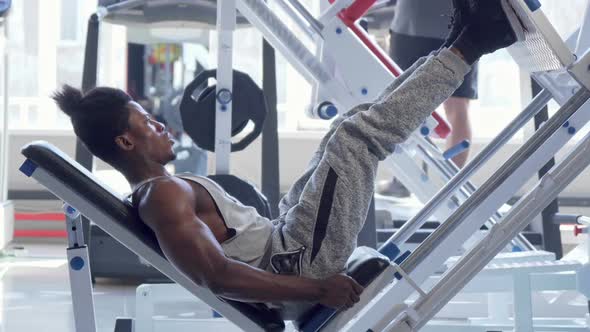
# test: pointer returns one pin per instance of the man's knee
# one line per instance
(359, 141)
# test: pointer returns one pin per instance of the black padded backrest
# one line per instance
(83, 182)
(244, 192)
(71, 174)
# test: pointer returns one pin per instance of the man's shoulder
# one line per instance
(163, 189)
(162, 200)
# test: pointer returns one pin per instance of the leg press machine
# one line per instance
(405, 291)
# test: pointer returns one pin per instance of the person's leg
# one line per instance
(333, 204)
(317, 235)
(404, 49)
(457, 111)
(292, 196)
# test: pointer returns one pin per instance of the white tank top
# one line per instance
(251, 240)
(252, 231)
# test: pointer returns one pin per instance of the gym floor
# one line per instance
(35, 291)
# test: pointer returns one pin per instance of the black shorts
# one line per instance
(405, 50)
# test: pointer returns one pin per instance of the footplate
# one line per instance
(542, 48)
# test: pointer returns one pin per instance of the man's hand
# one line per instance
(340, 292)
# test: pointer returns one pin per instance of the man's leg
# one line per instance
(457, 110)
(334, 201)
(292, 196)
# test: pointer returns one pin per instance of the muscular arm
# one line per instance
(168, 209)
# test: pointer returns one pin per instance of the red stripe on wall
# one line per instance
(40, 233)
(40, 216)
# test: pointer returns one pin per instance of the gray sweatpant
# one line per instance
(326, 208)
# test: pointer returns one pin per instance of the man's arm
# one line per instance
(168, 208)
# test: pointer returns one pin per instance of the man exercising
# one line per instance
(299, 257)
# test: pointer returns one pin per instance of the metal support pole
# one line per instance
(304, 26)
(226, 22)
(449, 170)
(270, 136)
(520, 240)
(410, 227)
(551, 233)
(79, 272)
(315, 24)
(523, 306)
(498, 310)
(583, 40)
(4, 115)
(123, 5)
(82, 155)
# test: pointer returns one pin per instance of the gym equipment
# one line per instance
(143, 14)
(73, 183)
(245, 192)
(108, 258)
(189, 157)
(552, 135)
(198, 114)
(337, 77)
(336, 34)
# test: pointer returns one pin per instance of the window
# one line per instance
(69, 23)
(498, 96)
(24, 51)
(33, 77)
(14, 114)
(47, 50)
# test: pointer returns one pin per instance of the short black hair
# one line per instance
(97, 116)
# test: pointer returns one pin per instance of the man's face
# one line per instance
(148, 136)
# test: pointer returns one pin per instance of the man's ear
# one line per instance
(124, 142)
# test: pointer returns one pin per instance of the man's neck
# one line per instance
(136, 174)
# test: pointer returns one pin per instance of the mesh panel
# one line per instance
(535, 54)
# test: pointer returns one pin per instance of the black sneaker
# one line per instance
(459, 18)
(488, 30)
